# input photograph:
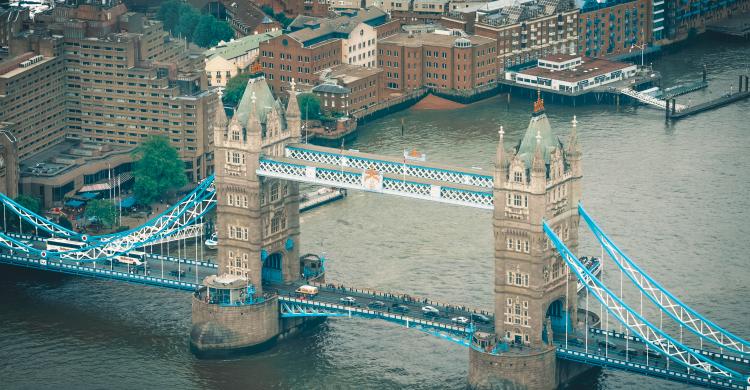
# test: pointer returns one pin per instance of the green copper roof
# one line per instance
(264, 101)
(538, 124)
(238, 47)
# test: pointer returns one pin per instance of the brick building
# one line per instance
(682, 19)
(523, 31)
(293, 8)
(417, 11)
(102, 80)
(412, 61)
(345, 88)
(612, 28)
(314, 44)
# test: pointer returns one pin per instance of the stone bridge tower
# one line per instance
(540, 180)
(257, 224)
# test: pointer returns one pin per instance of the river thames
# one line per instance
(674, 197)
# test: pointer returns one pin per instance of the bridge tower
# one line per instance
(257, 224)
(535, 296)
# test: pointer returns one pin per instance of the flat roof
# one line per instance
(349, 73)
(591, 67)
(69, 154)
(560, 57)
(18, 70)
(432, 39)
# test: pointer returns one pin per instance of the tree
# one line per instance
(309, 106)
(187, 22)
(64, 222)
(234, 89)
(169, 14)
(220, 31)
(29, 202)
(202, 35)
(101, 210)
(158, 170)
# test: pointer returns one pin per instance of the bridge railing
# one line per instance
(401, 297)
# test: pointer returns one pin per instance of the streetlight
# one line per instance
(642, 46)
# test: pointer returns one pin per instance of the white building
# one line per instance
(227, 59)
(572, 73)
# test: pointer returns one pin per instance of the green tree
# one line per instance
(188, 20)
(234, 89)
(309, 106)
(158, 170)
(64, 222)
(29, 202)
(220, 31)
(203, 34)
(101, 210)
(169, 14)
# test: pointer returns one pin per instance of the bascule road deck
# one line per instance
(187, 274)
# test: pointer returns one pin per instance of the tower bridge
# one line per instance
(541, 334)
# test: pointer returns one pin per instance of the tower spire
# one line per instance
(293, 116)
(573, 147)
(539, 103)
(538, 162)
(500, 160)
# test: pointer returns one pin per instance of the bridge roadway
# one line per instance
(609, 350)
(186, 275)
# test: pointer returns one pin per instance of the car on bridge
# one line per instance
(607, 344)
(629, 352)
(348, 301)
(476, 317)
(460, 320)
(176, 273)
(653, 354)
(376, 305)
(398, 308)
(576, 342)
(430, 311)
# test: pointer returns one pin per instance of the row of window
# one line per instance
(517, 313)
(516, 200)
(518, 245)
(518, 279)
(237, 200)
(238, 233)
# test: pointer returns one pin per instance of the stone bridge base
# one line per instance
(223, 331)
(533, 371)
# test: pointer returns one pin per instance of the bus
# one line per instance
(135, 258)
(63, 245)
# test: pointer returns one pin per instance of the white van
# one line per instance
(308, 290)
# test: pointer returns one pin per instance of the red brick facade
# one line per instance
(283, 58)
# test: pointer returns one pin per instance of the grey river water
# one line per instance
(674, 197)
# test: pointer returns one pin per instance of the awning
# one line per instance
(95, 187)
(128, 202)
(74, 203)
(89, 195)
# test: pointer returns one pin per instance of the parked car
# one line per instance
(348, 300)
(430, 311)
(397, 308)
(460, 320)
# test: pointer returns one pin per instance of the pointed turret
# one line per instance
(501, 166)
(253, 126)
(293, 116)
(573, 152)
(538, 168)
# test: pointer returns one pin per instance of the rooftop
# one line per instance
(309, 30)
(348, 73)
(560, 57)
(432, 39)
(591, 67)
(239, 47)
(67, 155)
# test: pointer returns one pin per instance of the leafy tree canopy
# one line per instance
(183, 20)
(102, 210)
(234, 89)
(309, 106)
(29, 202)
(158, 170)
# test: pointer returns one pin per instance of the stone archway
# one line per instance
(557, 317)
(272, 266)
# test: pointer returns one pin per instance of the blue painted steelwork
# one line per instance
(334, 157)
(636, 339)
(673, 307)
(606, 361)
(289, 310)
(56, 266)
(652, 335)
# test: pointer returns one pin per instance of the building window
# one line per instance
(518, 177)
(274, 192)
